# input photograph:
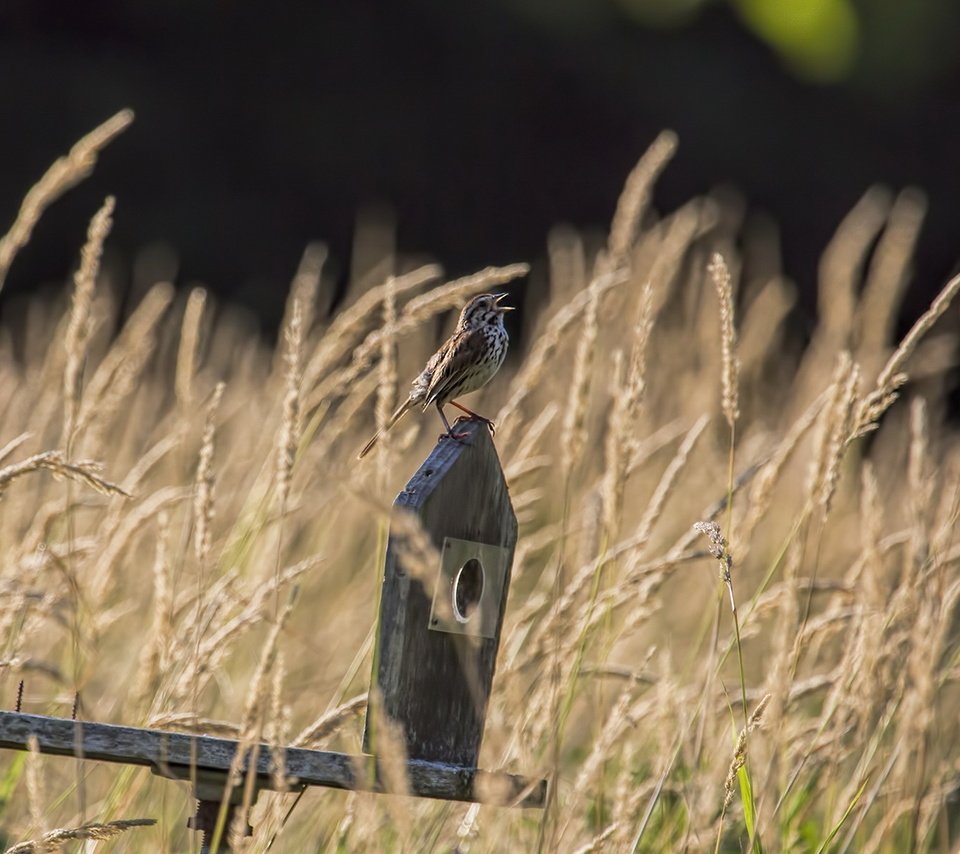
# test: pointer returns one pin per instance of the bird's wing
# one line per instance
(456, 357)
(421, 383)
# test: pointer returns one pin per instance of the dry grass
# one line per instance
(152, 580)
(55, 840)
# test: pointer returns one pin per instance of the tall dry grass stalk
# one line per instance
(574, 428)
(203, 500)
(35, 790)
(288, 439)
(387, 380)
(740, 752)
(164, 570)
(65, 173)
(842, 262)
(189, 348)
(892, 377)
(80, 326)
(55, 840)
(635, 197)
(728, 340)
(155, 655)
(306, 286)
(888, 276)
(117, 376)
(86, 472)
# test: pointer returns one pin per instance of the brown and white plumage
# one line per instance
(466, 362)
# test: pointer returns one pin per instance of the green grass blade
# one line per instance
(846, 814)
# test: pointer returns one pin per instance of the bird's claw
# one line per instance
(490, 425)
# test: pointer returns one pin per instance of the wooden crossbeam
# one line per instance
(184, 757)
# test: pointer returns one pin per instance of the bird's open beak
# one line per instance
(503, 307)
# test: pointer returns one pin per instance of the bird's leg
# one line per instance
(450, 434)
(476, 417)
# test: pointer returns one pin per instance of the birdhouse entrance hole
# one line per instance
(470, 588)
(467, 590)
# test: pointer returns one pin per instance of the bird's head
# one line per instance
(483, 310)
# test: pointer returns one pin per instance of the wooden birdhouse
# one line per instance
(445, 582)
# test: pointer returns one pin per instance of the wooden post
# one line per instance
(440, 625)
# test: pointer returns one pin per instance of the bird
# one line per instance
(465, 362)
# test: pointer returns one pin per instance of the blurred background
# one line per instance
(467, 130)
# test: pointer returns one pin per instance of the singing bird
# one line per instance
(466, 362)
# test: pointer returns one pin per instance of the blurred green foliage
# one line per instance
(817, 38)
(887, 46)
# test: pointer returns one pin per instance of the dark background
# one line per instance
(262, 126)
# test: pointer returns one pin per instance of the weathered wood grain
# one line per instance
(171, 754)
(435, 684)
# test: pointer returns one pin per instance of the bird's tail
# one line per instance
(393, 420)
